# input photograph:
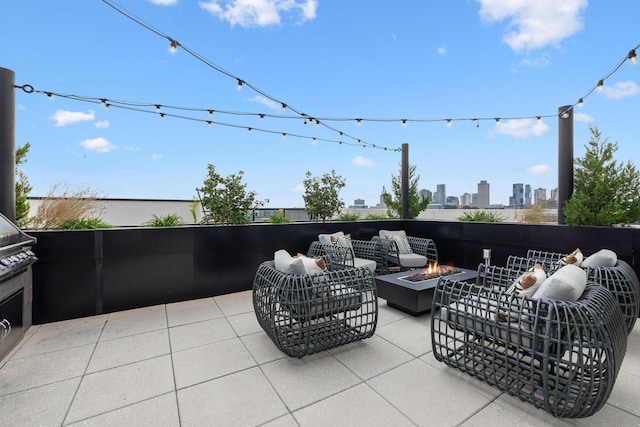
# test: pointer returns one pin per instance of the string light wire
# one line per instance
(240, 82)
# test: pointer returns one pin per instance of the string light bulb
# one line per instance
(173, 44)
(538, 119)
(632, 56)
(104, 103)
(284, 107)
(240, 82)
(158, 107)
(404, 123)
(449, 123)
(600, 84)
(580, 102)
(210, 113)
(358, 122)
(497, 119)
(208, 123)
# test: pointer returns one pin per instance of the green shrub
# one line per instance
(375, 217)
(169, 220)
(481, 216)
(348, 216)
(277, 219)
(83, 224)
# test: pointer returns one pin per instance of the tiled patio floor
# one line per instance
(207, 362)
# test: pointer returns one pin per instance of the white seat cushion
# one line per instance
(362, 262)
(412, 260)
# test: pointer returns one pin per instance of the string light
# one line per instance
(239, 84)
(158, 107)
(632, 56)
(284, 107)
(580, 102)
(497, 119)
(173, 44)
(210, 112)
(358, 122)
(404, 123)
(600, 84)
(449, 123)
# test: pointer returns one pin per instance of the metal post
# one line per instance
(405, 181)
(7, 144)
(565, 158)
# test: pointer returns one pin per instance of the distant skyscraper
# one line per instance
(453, 201)
(518, 195)
(483, 194)
(425, 194)
(474, 200)
(527, 196)
(440, 196)
(539, 195)
(466, 200)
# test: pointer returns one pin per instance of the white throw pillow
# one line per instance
(285, 263)
(566, 284)
(574, 258)
(529, 282)
(403, 244)
(602, 258)
(343, 241)
(327, 238)
(388, 234)
(312, 265)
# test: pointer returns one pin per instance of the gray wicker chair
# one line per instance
(362, 253)
(620, 279)
(563, 357)
(394, 260)
(305, 314)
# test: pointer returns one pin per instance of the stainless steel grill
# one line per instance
(16, 292)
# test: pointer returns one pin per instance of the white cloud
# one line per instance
(535, 61)
(64, 117)
(442, 51)
(298, 188)
(582, 117)
(520, 128)
(155, 156)
(267, 102)
(102, 125)
(100, 145)
(363, 162)
(259, 13)
(540, 170)
(535, 24)
(164, 2)
(621, 90)
(129, 148)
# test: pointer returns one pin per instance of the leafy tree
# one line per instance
(23, 188)
(605, 192)
(226, 200)
(321, 195)
(394, 204)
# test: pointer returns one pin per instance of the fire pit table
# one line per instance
(412, 291)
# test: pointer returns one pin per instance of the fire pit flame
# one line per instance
(432, 271)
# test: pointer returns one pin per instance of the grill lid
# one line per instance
(11, 236)
(15, 249)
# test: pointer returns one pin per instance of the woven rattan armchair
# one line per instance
(361, 253)
(423, 252)
(620, 279)
(305, 314)
(563, 357)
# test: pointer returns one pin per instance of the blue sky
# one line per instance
(424, 61)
